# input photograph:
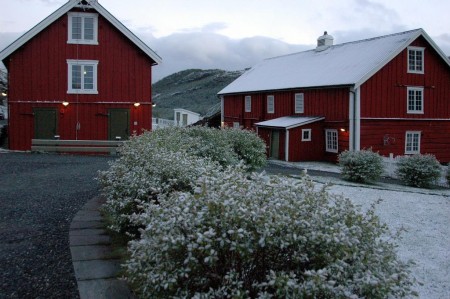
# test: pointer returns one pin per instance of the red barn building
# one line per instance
(80, 74)
(390, 93)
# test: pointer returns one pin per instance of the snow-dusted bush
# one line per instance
(263, 237)
(361, 166)
(248, 145)
(418, 170)
(448, 173)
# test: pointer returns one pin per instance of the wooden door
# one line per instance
(275, 144)
(45, 123)
(118, 124)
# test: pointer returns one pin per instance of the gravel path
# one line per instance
(39, 196)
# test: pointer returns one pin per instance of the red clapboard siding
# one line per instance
(38, 75)
(307, 150)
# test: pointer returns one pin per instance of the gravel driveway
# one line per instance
(39, 196)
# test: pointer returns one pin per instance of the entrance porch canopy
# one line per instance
(289, 122)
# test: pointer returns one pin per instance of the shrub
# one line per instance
(448, 173)
(361, 166)
(418, 170)
(263, 237)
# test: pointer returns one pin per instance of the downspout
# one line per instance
(355, 119)
(286, 146)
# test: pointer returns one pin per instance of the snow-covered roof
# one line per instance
(347, 64)
(289, 122)
(63, 10)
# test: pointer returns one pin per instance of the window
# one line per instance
(185, 119)
(270, 104)
(236, 125)
(412, 142)
(82, 76)
(415, 99)
(248, 104)
(299, 103)
(83, 28)
(415, 60)
(331, 141)
(306, 134)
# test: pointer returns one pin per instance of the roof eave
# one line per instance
(349, 85)
(313, 120)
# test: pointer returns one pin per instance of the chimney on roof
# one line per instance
(324, 41)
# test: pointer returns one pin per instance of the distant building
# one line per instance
(390, 93)
(78, 74)
(184, 118)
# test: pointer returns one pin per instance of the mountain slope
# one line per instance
(194, 89)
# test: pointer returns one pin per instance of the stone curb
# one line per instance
(95, 267)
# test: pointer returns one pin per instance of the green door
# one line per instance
(45, 123)
(275, 144)
(119, 124)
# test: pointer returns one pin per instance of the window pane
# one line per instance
(89, 28)
(76, 77)
(88, 77)
(76, 27)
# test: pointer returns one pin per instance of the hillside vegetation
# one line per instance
(194, 89)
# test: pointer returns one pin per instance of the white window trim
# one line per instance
(70, 40)
(303, 134)
(412, 133)
(408, 89)
(327, 145)
(248, 104)
(299, 97)
(72, 62)
(271, 98)
(420, 49)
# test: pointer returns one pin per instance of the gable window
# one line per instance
(415, 99)
(306, 134)
(83, 28)
(331, 141)
(299, 103)
(270, 104)
(415, 60)
(248, 104)
(412, 142)
(82, 76)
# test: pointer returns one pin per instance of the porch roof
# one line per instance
(289, 122)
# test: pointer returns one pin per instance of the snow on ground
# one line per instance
(423, 214)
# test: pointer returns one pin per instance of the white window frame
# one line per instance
(414, 68)
(83, 63)
(308, 137)
(331, 145)
(299, 103)
(248, 104)
(412, 142)
(82, 40)
(415, 110)
(270, 104)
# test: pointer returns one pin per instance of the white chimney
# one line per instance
(324, 42)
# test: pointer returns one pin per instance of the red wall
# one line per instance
(307, 150)
(38, 73)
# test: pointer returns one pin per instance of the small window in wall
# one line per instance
(299, 103)
(412, 142)
(83, 28)
(236, 125)
(248, 104)
(416, 60)
(270, 104)
(185, 119)
(331, 141)
(415, 100)
(306, 134)
(82, 76)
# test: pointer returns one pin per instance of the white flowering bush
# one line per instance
(248, 145)
(448, 173)
(254, 236)
(419, 170)
(361, 166)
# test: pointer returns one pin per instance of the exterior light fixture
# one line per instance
(137, 104)
(65, 103)
(4, 94)
(342, 130)
(154, 105)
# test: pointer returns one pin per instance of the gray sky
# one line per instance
(235, 34)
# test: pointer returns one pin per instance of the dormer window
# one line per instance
(83, 28)
(416, 60)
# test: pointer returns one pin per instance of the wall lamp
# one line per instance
(137, 104)
(4, 94)
(343, 130)
(65, 103)
(154, 105)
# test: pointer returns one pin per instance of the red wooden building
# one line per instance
(80, 74)
(390, 93)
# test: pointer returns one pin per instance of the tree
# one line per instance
(3, 85)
